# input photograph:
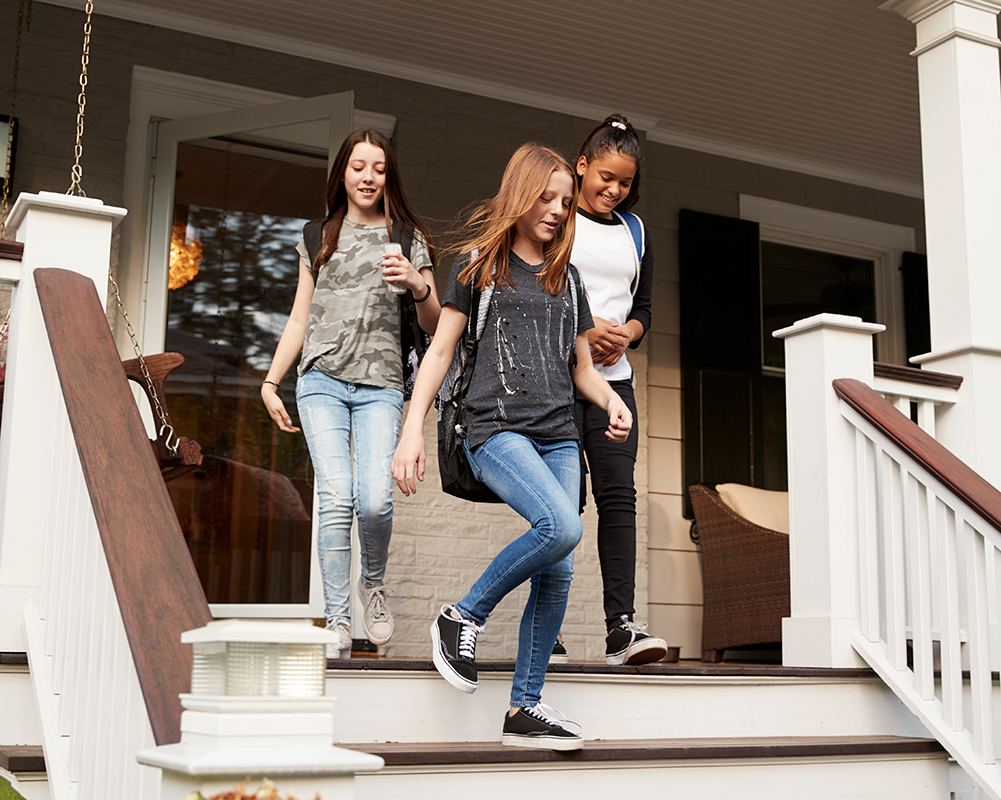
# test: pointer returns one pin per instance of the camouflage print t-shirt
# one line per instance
(353, 332)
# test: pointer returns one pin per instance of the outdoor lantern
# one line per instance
(258, 658)
(253, 679)
(257, 714)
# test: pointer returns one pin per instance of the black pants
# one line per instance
(611, 465)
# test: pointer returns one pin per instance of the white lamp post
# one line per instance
(257, 710)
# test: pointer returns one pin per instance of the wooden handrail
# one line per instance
(954, 473)
(915, 375)
(158, 590)
(12, 251)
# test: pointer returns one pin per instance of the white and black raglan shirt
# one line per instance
(521, 380)
(619, 285)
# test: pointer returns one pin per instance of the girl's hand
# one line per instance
(276, 408)
(620, 421)
(608, 342)
(408, 461)
(397, 269)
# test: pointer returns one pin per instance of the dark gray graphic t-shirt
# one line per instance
(521, 381)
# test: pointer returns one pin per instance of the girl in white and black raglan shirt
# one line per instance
(607, 252)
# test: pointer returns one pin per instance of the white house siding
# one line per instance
(452, 149)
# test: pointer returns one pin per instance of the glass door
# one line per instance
(231, 194)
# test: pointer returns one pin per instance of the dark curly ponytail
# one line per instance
(615, 135)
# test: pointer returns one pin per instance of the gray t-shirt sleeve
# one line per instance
(456, 293)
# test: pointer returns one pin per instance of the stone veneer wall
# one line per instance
(452, 149)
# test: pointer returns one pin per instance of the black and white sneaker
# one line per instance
(539, 727)
(628, 643)
(454, 643)
(559, 654)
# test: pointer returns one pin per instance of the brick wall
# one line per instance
(452, 149)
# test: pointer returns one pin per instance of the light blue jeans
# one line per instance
(350, 480)
(542, 483)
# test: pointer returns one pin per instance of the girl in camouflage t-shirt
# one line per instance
(346, 322)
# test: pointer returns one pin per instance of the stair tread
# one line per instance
(22, 758)
(444, 753)
(680, 668)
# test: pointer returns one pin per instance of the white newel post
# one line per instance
(823, 548)
(72, 233)
(257, 711)
(960, 92)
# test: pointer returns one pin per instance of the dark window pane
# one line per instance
(246, 513)
(797, 283)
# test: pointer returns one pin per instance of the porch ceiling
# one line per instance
(825, 87)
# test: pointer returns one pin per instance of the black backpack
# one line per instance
(413, 340)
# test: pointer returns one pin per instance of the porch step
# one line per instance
(453, 754)
(22, 758)
(759, 768)
(408, 702)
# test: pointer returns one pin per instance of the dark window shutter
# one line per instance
(720, 349)
(917, 320)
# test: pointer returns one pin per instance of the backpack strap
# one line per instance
(312, 235)
(635, 227)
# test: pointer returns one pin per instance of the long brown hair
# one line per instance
(490, 228)
(393, 204)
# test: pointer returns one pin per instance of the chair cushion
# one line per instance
(760, 506)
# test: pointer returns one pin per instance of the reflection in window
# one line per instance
(797, 283)
(246, 513)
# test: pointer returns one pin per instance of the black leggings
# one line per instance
(611, 465)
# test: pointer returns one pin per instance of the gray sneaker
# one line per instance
(377, 618)
(342, 648)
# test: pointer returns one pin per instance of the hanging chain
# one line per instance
(10, 122)
(77, 171)
(166, 429)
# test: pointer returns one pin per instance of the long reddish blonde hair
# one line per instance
(490, 229)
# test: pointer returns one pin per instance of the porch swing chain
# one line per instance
(77, 171)
(166, 433)
(170, 439)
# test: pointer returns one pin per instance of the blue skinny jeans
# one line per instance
(350, 480)
(541, 481)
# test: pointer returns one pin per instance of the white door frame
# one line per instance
(830, 232)
(167, 108)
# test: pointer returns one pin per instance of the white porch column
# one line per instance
(823, 549)
(57, 231)
(960, 90)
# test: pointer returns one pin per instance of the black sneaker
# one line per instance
(455, 649)
(559, 655)
(627, 643)
(537, 727)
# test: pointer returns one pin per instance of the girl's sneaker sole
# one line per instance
(561, 743)
(444, 668)
(646, 651)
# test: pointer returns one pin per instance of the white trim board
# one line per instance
(368, 62)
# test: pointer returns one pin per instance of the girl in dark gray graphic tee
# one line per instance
(522, 439)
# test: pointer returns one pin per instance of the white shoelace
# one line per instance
(377, 605)
(552, 716)
(633, 628)
(467, 636)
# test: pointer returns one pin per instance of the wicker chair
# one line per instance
(745, 577)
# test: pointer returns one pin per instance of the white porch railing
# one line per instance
(919, 395)
(893, 539)
(91, 707)
(52, 563)
(929, 544)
